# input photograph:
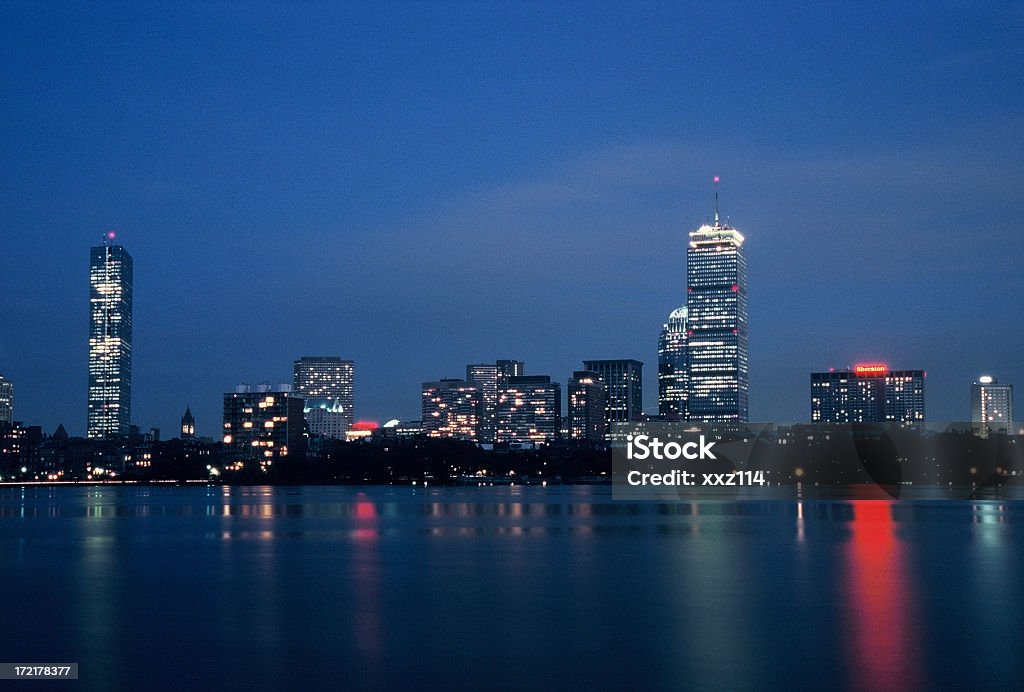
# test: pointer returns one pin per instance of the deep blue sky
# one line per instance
(421, 185)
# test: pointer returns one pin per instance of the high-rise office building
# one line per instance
(451, 408)
(588, 399)
(624, 380)
(509, 368)
(868, 393)
(327, 383)
(904, 396)
(262, 424)
(485, 378)
(529, 409)
(673, 385)
(991, 406)
(110, 339)
(6, 402)
(716, 303)
(188, 425)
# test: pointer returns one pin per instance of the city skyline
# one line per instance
(452, 199)
(306, 369)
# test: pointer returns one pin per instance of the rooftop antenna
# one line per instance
(716, 199)
(108, 238)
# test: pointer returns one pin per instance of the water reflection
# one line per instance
(380, 587)
(883, 649)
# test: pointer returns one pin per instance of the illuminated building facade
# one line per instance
(673, 376)
(328, 385)
(991, 406)
(509, 368)
(624, 380)
(485, 378)
(904, 396)
(529, 409)
(451, 408)
(262, 424)
(716, 303)
(6, 402)
(110, 340)
(868, 393)
(588, 397)
(327, 418)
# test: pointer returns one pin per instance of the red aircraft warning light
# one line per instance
(870, 369)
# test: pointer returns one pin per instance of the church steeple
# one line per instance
(188, 425)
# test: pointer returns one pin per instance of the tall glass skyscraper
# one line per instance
(110, 339)
(716, 303)
(673, 388)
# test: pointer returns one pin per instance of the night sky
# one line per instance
(418, 186)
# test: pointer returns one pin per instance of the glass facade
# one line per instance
(673, 375)
(716, 302)
(110, 341)
(328, 385)
(624, 380)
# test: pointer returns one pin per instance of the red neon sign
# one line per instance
(871, 369)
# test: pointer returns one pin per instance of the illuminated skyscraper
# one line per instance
(110, 339)
(529, 409)
(451, 408)
(6, 402)
(327, 383)
(485, 378)
(588, 399)
(672, 371)
(991, 406)
(716, 302)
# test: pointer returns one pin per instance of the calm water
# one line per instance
(330, 587)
